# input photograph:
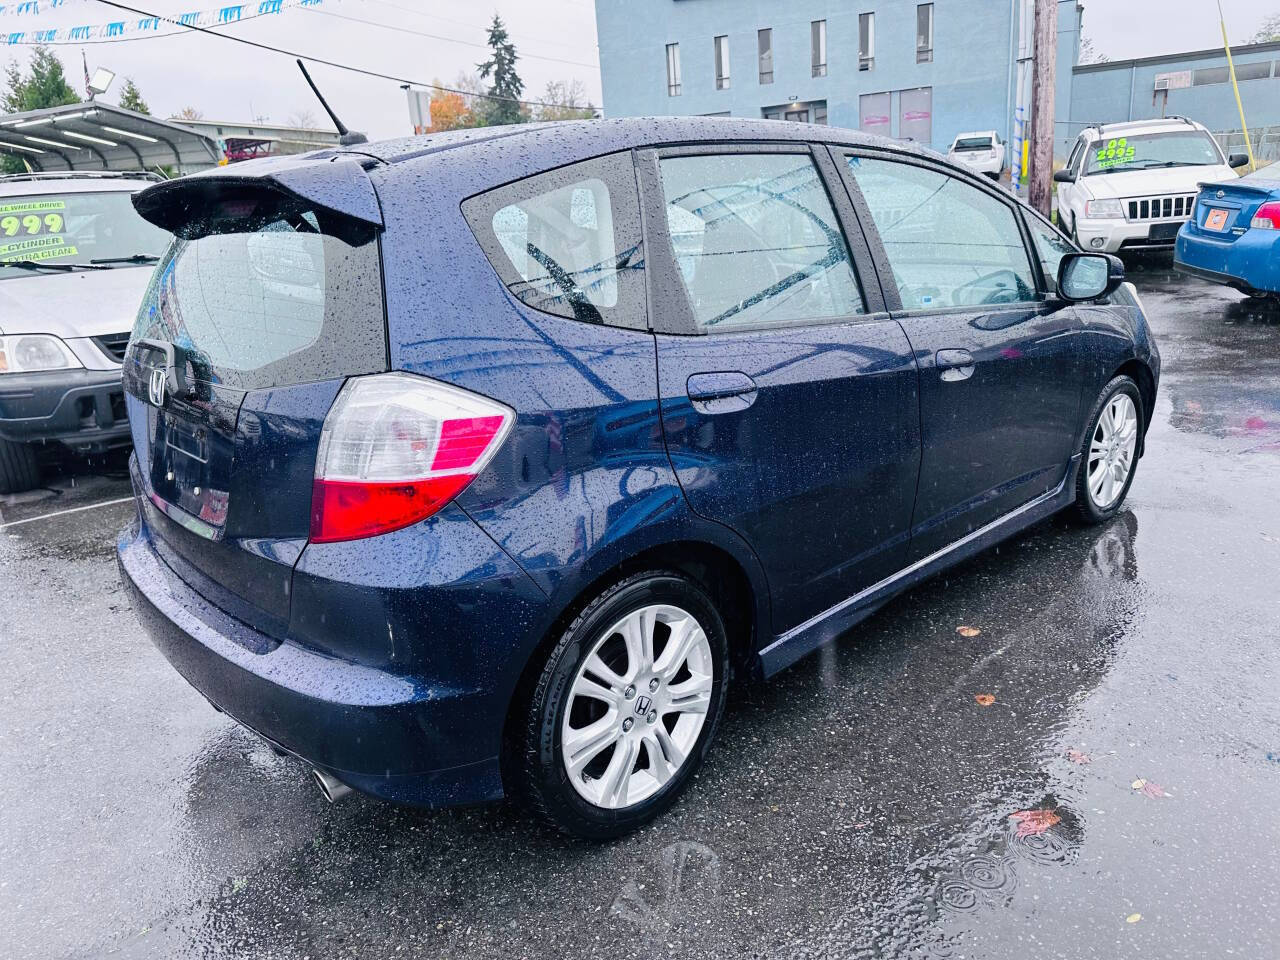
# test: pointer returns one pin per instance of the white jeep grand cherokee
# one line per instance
(1129, 186)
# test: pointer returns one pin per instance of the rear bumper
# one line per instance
(1251, 260)
(83, 409)
(373, 729)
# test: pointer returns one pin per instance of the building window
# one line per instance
(765, 40)
(866, 41)
(874, 113)
(915, 115)
(1209, 75)
(924, 33)
(1253, 71)
(673, 69)
(818, 47)
(722, 63)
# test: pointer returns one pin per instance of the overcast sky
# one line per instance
(555, 38)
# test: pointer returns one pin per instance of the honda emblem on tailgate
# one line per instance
(156, 386)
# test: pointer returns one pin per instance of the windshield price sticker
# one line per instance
(1114, 153)
(36, 248)
(30, 224)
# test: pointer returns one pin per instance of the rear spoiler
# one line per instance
(336, 182)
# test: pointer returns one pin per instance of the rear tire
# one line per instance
(1109, 454)
(19, 470)
(654, 719)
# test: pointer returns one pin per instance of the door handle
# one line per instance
(727, 392)
(955, 365)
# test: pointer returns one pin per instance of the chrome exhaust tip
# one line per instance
(331, 788)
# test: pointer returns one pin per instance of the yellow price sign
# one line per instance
(30, 224)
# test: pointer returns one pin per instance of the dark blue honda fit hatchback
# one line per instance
(481, 463)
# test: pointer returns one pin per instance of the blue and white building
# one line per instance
(919, 71)
(910, 70)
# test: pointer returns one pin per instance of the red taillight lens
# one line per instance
(395, 449)
(1267, 217)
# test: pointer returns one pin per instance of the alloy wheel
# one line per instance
(1111, 452)
(636, 706)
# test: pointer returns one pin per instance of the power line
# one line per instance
(434, 36)
(328, 63)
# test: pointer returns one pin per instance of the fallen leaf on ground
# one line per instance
(1078, 756)
(1133, 918)
(984, 699)
(1149, 788)
(1032, 823)
(968, 631)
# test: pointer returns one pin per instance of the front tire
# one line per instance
(19, 470)
(1109, 457)
(626, 707)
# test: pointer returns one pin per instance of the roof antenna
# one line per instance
(345, 137)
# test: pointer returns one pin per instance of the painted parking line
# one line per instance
(63, 513)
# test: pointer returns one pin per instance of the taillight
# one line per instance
(395, 449)
(1267, 217)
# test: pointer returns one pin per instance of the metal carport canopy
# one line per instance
(101, 136)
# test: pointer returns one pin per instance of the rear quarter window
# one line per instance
(284, 296)
(567, 241)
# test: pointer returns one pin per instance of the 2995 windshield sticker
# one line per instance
(1114, 153)
(32, 230)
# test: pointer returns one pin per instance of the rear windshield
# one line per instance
(973, 143)
(74, 228)
(281, 296)
(1193, 148)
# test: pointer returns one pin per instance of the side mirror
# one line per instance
(1237, 160)
(1064, 176)
(1089, 276)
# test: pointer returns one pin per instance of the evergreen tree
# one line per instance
(45, 85)
(507, 84)
(131, 98)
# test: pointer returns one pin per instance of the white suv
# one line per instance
(75, 259)
(1130, 186)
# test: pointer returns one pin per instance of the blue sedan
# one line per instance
(1233, 236)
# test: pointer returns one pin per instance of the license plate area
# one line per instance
(1216, 220)
(1164, 231)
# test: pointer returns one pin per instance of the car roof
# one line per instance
(620, 134)
(976, 133)
(24, 186)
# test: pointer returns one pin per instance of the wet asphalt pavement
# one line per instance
(862, 804)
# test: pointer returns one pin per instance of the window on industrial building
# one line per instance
(873, 113)
(722, 63)
(673, 69)
(757, 241)
(1253, 71)
(818, 47)
(924, 33)
(915, 115)
(1208, 75)
(764, 39)
(949, 243)
(866, 41)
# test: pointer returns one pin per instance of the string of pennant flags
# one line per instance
(119, 29)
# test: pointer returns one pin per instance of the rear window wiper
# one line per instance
(132, 258)
(46, 265)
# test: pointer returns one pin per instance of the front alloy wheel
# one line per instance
(1111, 453)
(1109, 456)
(625, 708)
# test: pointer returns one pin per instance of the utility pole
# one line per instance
(1044, 72)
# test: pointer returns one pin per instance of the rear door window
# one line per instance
(278, 296)
(567, 242)
(949, 243)
(757, 241)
